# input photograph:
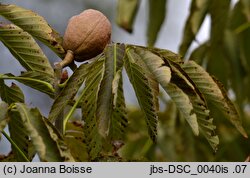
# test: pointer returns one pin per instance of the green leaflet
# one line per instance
(151, 73)
(200, 108)
(157, 12)
(92, 137)
(74, 138)
(113, 62)
(126, 13)
(205, 122)
(184, 105)
(119, 119)
(47, 141)
(20, 137)
(25, 49)
(3, 116)
(181, 79)
(10, 94)
(33, 79)
(69, 91)
(35, 25)
(143, 92)
(197, 14)
(215, 92)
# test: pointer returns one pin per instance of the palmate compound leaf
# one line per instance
(92, 137)
(114, 55)
(162, 74)
(25, 49)
(69, 91)
(47, 141)
(143, 91)
(215, 92)
(187, 85)
(153, 83)
(35, 25)
(185, 94)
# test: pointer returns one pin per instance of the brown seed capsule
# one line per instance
(87, 34)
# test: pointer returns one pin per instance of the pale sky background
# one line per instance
(57, 13)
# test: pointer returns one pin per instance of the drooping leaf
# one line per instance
(33, 79)
(114, 55)
(10, 94)
(92, 137)
(3, 115)
(163, 75)
(74, 138)
(184, 105)
(143, 93)
(206, 125)
(126, 13)
(182, 79)
(35, 25)
(25, 49)
(197, 14)
(151, 72)
(119, 119)
(47, 141)
(157, 12)
(215, 92)
(69, 91)
(200, 108)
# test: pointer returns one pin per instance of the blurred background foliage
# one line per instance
(226, 55)
(213, 33)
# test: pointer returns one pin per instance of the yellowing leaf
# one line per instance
(214, 92)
